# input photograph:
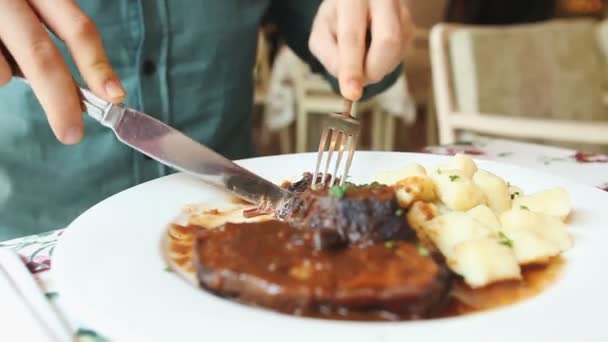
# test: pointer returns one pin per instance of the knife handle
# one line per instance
(92, 104)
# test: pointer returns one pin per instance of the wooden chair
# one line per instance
(453, 119)
(262, 72)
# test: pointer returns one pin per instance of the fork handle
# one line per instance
(90, 103)
(348, 107)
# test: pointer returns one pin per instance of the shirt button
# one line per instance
(148, 67)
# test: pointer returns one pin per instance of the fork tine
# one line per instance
(343, 141)
(332, 147)
(322, 143)
(352, 140)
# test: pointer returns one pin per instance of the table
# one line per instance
(592, 169)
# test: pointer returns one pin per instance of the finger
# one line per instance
(78, 31)
(408, 26)
(352, 23)
(42, 64)
(5, 71)
(387, 46)
(322, 42)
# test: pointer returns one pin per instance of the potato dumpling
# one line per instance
(417, 216)
(447, 231)
(414, 188)
(463, 163)
(484, 215)
(392, 177)
(530, 247)
(554, 202)
(456, 190)
(533, 234)
(495, 190)
(484, 261)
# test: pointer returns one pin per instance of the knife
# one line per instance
(170, 147)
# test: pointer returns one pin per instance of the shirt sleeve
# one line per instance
(294, 19)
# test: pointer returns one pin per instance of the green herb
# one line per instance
(438, 171)
(504, 240)
(453, 178)
(89, 335)
(399, 212)
(390, 245)
(51, 295)
(338, 191)
(524, 207)
(168, 269)
(516, 193)
(423, 251)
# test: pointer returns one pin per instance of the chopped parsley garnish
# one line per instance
(453, 178)
(438, 171)
(423, 251)
(168, 269)
(338, 191)
(516, 193)
(504, 240)
(399, 212)
(524, 207)
(390, 245)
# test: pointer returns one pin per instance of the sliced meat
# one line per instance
(355, 214)
(274, 265)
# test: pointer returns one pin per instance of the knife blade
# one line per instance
(178, 151)
(169, 146)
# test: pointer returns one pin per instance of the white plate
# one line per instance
(110, 271)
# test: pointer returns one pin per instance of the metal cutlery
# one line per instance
(342, 134)
(176, 150)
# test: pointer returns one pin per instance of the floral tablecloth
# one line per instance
(592, 169)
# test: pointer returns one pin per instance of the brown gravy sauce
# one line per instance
(463, 300)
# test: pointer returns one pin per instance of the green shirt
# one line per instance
(189, 63)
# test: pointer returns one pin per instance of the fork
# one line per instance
(341, 133)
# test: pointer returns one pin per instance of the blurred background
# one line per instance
(524, 70)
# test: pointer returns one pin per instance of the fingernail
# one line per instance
(72, 135)
(114, 90)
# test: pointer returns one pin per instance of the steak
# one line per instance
(274, 265)
(350, 214)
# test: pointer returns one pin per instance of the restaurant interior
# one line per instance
(547, 86)
(501, 213)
